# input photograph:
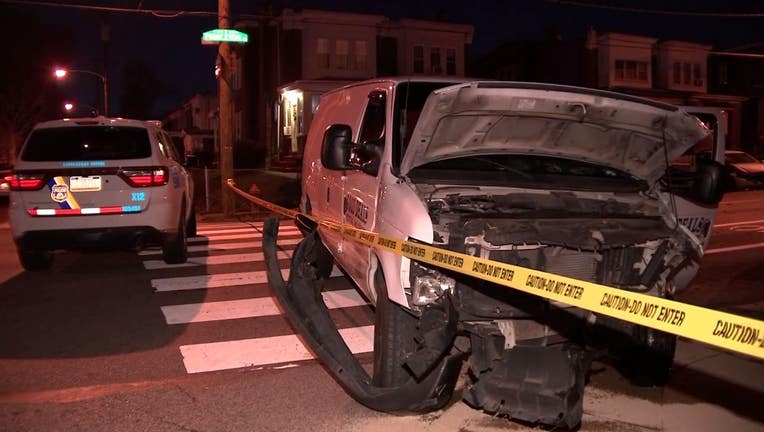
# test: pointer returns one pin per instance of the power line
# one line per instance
(159, 13)
(658, 11)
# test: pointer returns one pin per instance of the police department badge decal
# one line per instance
(59, 192)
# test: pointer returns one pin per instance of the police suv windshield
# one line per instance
(87, 143)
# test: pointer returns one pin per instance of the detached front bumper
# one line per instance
(302, 301)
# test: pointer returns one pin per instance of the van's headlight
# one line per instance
(429, 285)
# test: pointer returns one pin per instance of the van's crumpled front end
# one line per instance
(529, 356)
(566, 183)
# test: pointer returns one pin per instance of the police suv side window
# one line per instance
(373, 125)
(163, 145)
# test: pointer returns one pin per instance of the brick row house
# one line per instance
(296, 56)
(676, 72)
(193, 126)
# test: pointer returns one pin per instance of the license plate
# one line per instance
(84, 184)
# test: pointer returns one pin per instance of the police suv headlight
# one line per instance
(429, 285)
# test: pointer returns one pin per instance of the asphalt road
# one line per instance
(117, 342)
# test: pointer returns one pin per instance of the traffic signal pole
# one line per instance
(225, 126)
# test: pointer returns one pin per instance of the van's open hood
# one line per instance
(619, 131)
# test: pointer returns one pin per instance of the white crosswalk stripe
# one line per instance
(264, 351)
(215, 260)
(249, 308)
(254, 352)
(223, 246)
(251, 234)
(212, 281)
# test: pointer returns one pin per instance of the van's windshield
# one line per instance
(409, 101)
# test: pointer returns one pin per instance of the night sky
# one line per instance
(171, 46)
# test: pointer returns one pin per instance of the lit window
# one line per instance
(450, 61)
(619, 69)
(341, 50)
(723, 74)
(419, 59)
(697, 79)
(629, 70)
(642, 71)
(322, 52)
(359, 55)
(435, 61)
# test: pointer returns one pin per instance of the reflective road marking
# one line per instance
(264, 351)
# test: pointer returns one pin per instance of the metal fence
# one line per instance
(278, 187)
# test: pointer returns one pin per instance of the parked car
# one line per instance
(744, 170)
(5, 187)
(555, 178)
(99, 182)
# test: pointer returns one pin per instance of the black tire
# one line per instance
(191, 224)
(394, 336)
(650, 358)
(35, 259)
(174, 246)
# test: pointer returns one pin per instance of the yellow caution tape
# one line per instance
(722, 329)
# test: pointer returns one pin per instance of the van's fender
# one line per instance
(400, 214)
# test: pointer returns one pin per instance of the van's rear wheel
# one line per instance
(35, 259)
(174, 246)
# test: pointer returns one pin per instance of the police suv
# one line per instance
(99, 182)
(571, 181)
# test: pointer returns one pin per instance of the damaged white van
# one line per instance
(572, 181)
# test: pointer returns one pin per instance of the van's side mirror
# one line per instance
(708, 185)
(336, 148)
(339, 152)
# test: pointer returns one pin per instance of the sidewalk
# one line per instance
(280, 188)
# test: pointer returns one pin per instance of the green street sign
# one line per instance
(216, 36)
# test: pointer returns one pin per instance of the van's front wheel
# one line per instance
(398, 337)
(394, 333)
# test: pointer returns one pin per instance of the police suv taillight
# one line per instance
(23, 181)
(145, 177)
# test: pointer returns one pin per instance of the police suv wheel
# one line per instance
(174, 247)
(35, 259)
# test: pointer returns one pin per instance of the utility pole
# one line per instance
(225, 121)
(105, 40)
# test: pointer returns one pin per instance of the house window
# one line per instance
(723, 74)
(419, 59)
(322, 53)
(450, 61)
(697, 79)
(629, 70)
(435, 66)
(677, 73)
(687, 74)
(341, 50)
(359, 55)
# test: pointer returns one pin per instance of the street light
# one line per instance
(61, 73)
(71, 108)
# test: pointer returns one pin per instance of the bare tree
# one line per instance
(141, 90)
(28, 94)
